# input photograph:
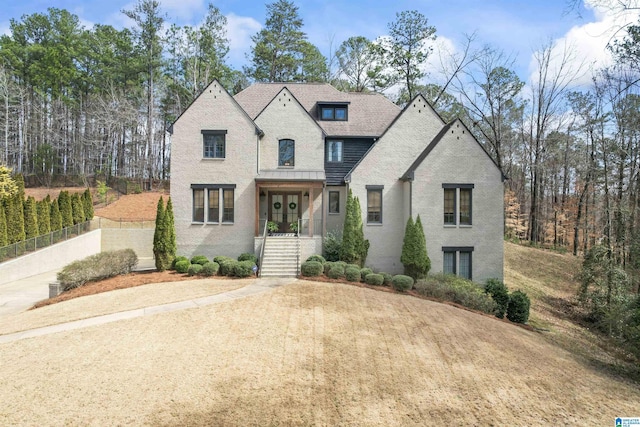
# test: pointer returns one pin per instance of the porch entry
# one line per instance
(284, 208)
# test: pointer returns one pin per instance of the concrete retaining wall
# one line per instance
(140, 240)
(52, 258)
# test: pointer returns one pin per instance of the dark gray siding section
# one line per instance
(352, 151)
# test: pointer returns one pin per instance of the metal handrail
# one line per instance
(264, 243)
(298, 244)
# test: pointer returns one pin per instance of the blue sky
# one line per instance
(515, 26)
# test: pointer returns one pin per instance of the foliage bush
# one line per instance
(226, 265)
(243, 268)
(317, 258)
(387, 278)
(518, 310)
(194, 269)
(248, 257)
(97, 267)
(182, 266)
(210, 269)
(352, 273)
(365, 272)
(331, 245)
(176, 259)
(500, 294)
(336, 272)
(199, 259)
(374, 279)
(402, 283)
(447, 287)
(311, 268)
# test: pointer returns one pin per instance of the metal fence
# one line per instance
(97, 223)
(21, 248)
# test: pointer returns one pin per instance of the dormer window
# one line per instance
(333, 111)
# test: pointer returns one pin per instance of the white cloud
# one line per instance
(182, 10)
(239, 32)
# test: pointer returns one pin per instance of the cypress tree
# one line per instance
(30, 218)
(172, 246)
(362, 245)
(414, 250)
(87, 204)
(44, 217)
(55, 217)
(424, 262)
(4, 241)
(354, 247)
(66, 210)
(77, 210)
(409, 247)
(159, 239)
(15, 219)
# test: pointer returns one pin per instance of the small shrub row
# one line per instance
(200, 265)
(457, 290)
(97, 267)
(516, 306)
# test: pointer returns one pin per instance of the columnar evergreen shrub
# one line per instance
(3, 227)
(97, 267)
(55, 217)
(311, 268)
(317, 258)
(365, 272)
(352, 273)
(170, 227)
(414, 250)
(194, 269)
(66, 210)
(248, 257)
(500, 294)
(210, 269)
(354, 247)
(199, 259)
(518, 309)
(15, 219)
(374, 279)
(8, 186)
(402, 283)
(87, 204)
(159, 239)
(43, 210)
(77, 210)
(30, 218)
(182, 266)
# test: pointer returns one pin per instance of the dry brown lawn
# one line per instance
(307, 353)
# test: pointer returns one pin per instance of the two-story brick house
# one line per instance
(285, 152)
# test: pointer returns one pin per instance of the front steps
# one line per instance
(280, 257)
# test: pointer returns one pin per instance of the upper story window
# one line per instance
(333, 111)
(214, 144)
(286, 152)
(334, 151)
(374, 204)
(457, 204)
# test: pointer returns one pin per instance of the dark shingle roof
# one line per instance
(369, 113)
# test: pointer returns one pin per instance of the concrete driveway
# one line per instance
(21, 294)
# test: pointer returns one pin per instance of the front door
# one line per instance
(284, 208)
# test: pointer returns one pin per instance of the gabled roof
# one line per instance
(408, 175)
(370, 114)
(297, 102)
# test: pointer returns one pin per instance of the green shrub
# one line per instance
(317, 258)
(243, 268)
(402, 283)
(331, 245)
(387, 278)
(226, 265)
(374, 279)
(365, 272)
(327, 266)
(500, 295)
(199, 259)
(97, 267)
(311, 268)
(248, 257)
(194, 269)
(447, 287)
(414, 250)
(182, 266)
(175, 261)
(221, 258)
(210, 269)
(518, 310)
(336, 272)
(352, 273)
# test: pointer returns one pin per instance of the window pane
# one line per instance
(220, 146)
(465, 265)
(374, 206)
(449, 205)
(449, 266)
(327, 113)
(341, 114)
(334, 151)
(227, 204)
(214, 146)
(334, 202)
(287, 152)
(198, 205)
(214, 206)
(465, 206)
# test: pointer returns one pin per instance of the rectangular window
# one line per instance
(214, 144)
(333, 111)
(449, 266)
(458, 204)
(198, 205)
(214, 205)
(374, 204)
(327, 113)
(227, 202)
(286, 152)
(465, 206)
(341, 114)
(449, 206)
(465, 265)
(457, 260)
(334, 202)
(334, 151)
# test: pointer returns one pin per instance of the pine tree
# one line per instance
(4, 241)
(55, 217)
(172, 246)
(160, 239)
(66, 210)
(77, 209)
(87, 204)
(30, 218)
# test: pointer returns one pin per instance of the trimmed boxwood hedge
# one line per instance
(365, 272)
(182, 266)
(311, 268)
(402, 283)
(210, 269)
(352, 273)
(175, 260)
(199, 259)
(374, 279)
(96, 267)
(248, 257)
(243, 268)
(336, 272)
(318, 258)
(194, 269)
(387, 278)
